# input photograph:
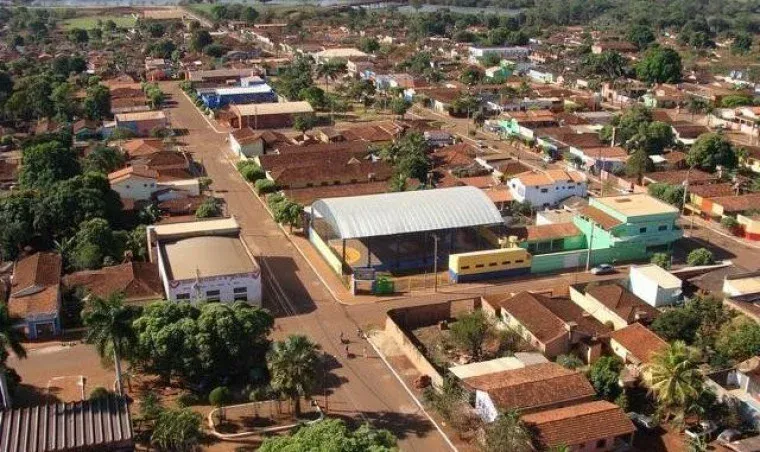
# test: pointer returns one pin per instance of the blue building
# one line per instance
(215, 98)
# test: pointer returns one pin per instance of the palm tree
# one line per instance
(674, 378)
(508, 432)
(293, 367)
(109, 329)
(330, 70)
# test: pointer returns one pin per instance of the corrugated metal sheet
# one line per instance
(407, 212)
(102, 424)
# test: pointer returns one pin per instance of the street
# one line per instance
(359, 388)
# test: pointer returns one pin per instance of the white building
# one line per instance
(548, 188)
(246, 143)
(140, 183)
(205, 261)
(508, 53)
(654, 285)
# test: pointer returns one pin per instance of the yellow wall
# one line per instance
(596, 309)
(504, 259)
(751, 226)
(326, 252)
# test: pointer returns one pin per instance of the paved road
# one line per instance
(360, 388)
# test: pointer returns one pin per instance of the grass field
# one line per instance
(89, 22)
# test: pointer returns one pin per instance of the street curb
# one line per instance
(411, 394)
(205, 118)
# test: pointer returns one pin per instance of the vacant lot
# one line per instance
(90, 22)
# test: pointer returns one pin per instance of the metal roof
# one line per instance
(101, 424)
(407, 212)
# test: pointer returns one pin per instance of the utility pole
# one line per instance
(435, 262)
(590, 245)
(685, 194)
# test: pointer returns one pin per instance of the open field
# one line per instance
(90, 22)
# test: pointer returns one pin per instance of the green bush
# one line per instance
(264, 186)
(220, 396)
(7, 140)
(661, 259)
(187, 399)
(99, 392)
(700, 256)
(252, 173)
(729, 223)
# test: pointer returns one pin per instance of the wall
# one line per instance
(596, 309)
(750, 227)
(224, 284)
(138, 188)
(326, 252)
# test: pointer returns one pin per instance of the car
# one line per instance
(704, 430)
(642, 420)
(603, 269)
(729, 435)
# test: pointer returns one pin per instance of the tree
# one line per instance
(569, 361)
(331, 435)
(214, 50)
(10, 337)
(94, 243)
(507, 432)
(368, 45)
(660, 65)
(294, 78)
(448, 400)
(44, 164)
(671, 194)
(78, 36)
(608, 65)
(399, 106)
(638, 164)
(674, 378)
(472, 75)
(249, 15)
(104, 159)
(177, 430)
(627, 125)
(739, 339)
(209, 208)
(653, 138)
(315, 96)
(742, 43)
(700, 256)
(604, 375)
(293, 366)
(304, 122)
(330, 70)
(287, 212)
(641, 36)
(109, 329)
(470, 332)
(200, 39)
(677, 324)
(63, 101)
(729, 223)
(662, 260)
(736, 100)
(97, 102)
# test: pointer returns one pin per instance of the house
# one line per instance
(134, 182)
(654, 285)
(344, 53)
(529, 389)
(438, 138)
(204, 261)
(525, 123)
(601, 158)
(92, 425)
(509, 53)
(142, 146)
(547, 188)
(612, 304)
(554, 326)
(219, 77)
(742, 293)
(267, 116)
(246, 142)
(628, 227)
(597, 426)
(142, 123)
(742, 384)
(35, 294)
(613, 46)
(636, 344)
(549, 238)
(138, 282)
(165, 162)
(85, 129)
(687, 133)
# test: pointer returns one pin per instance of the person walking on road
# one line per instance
(347, 354)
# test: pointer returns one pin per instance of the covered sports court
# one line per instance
(398, 231)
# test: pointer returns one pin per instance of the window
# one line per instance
(506, 263)
(309, 184)
(544, 190)
(182, 296)
(337, 182)
(240, 297)
(663, 227)
(464, 267)
(642, 230)
(493, 264)
(212, 295)
(479, 266)
(518, 261)
(240, 290)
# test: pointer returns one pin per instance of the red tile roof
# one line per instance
(738, 203)
(137, 171)
(576, 425)
(35, 288)
(545, 231)
(639, 341)
(136, 280)
(533, 387)
(528, 309)
(140, 147)
(619, 300)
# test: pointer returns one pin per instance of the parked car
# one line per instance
(729, 435)
(603, 269)
(642, 420)
(704, 430)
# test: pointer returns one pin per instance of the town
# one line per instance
(515, 225)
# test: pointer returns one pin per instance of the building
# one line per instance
(741, 384)
(612, 304)
(267, 116)
(629, 227)
(528, 389)
(219, 76)
(374, 229)
(597, 158)
(554, 326)
(35, 295)
(204, 261)
(138, 282)
(636, 344)
(547, 188)
(343, 53)
(246, 143)
(655, 285)
(742, 292)
(142, 123)
(134, 182)
(216, 98)
(87, 426)
(508, 53)
(613, 46)
(597, 426)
